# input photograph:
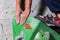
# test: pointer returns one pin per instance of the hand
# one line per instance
(17, 15)
(24, 16)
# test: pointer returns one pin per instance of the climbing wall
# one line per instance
(6, 8)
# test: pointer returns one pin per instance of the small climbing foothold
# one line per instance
(27, 26)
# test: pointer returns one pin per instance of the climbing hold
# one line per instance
(27, 26)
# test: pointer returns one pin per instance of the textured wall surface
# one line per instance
(6, 7)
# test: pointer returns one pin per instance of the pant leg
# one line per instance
(54, 5)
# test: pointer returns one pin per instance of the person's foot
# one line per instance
(56, 21)
(49, 19)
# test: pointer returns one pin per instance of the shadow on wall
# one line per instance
(41, 9)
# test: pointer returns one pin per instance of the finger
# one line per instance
(17, 18)
(22, 20)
